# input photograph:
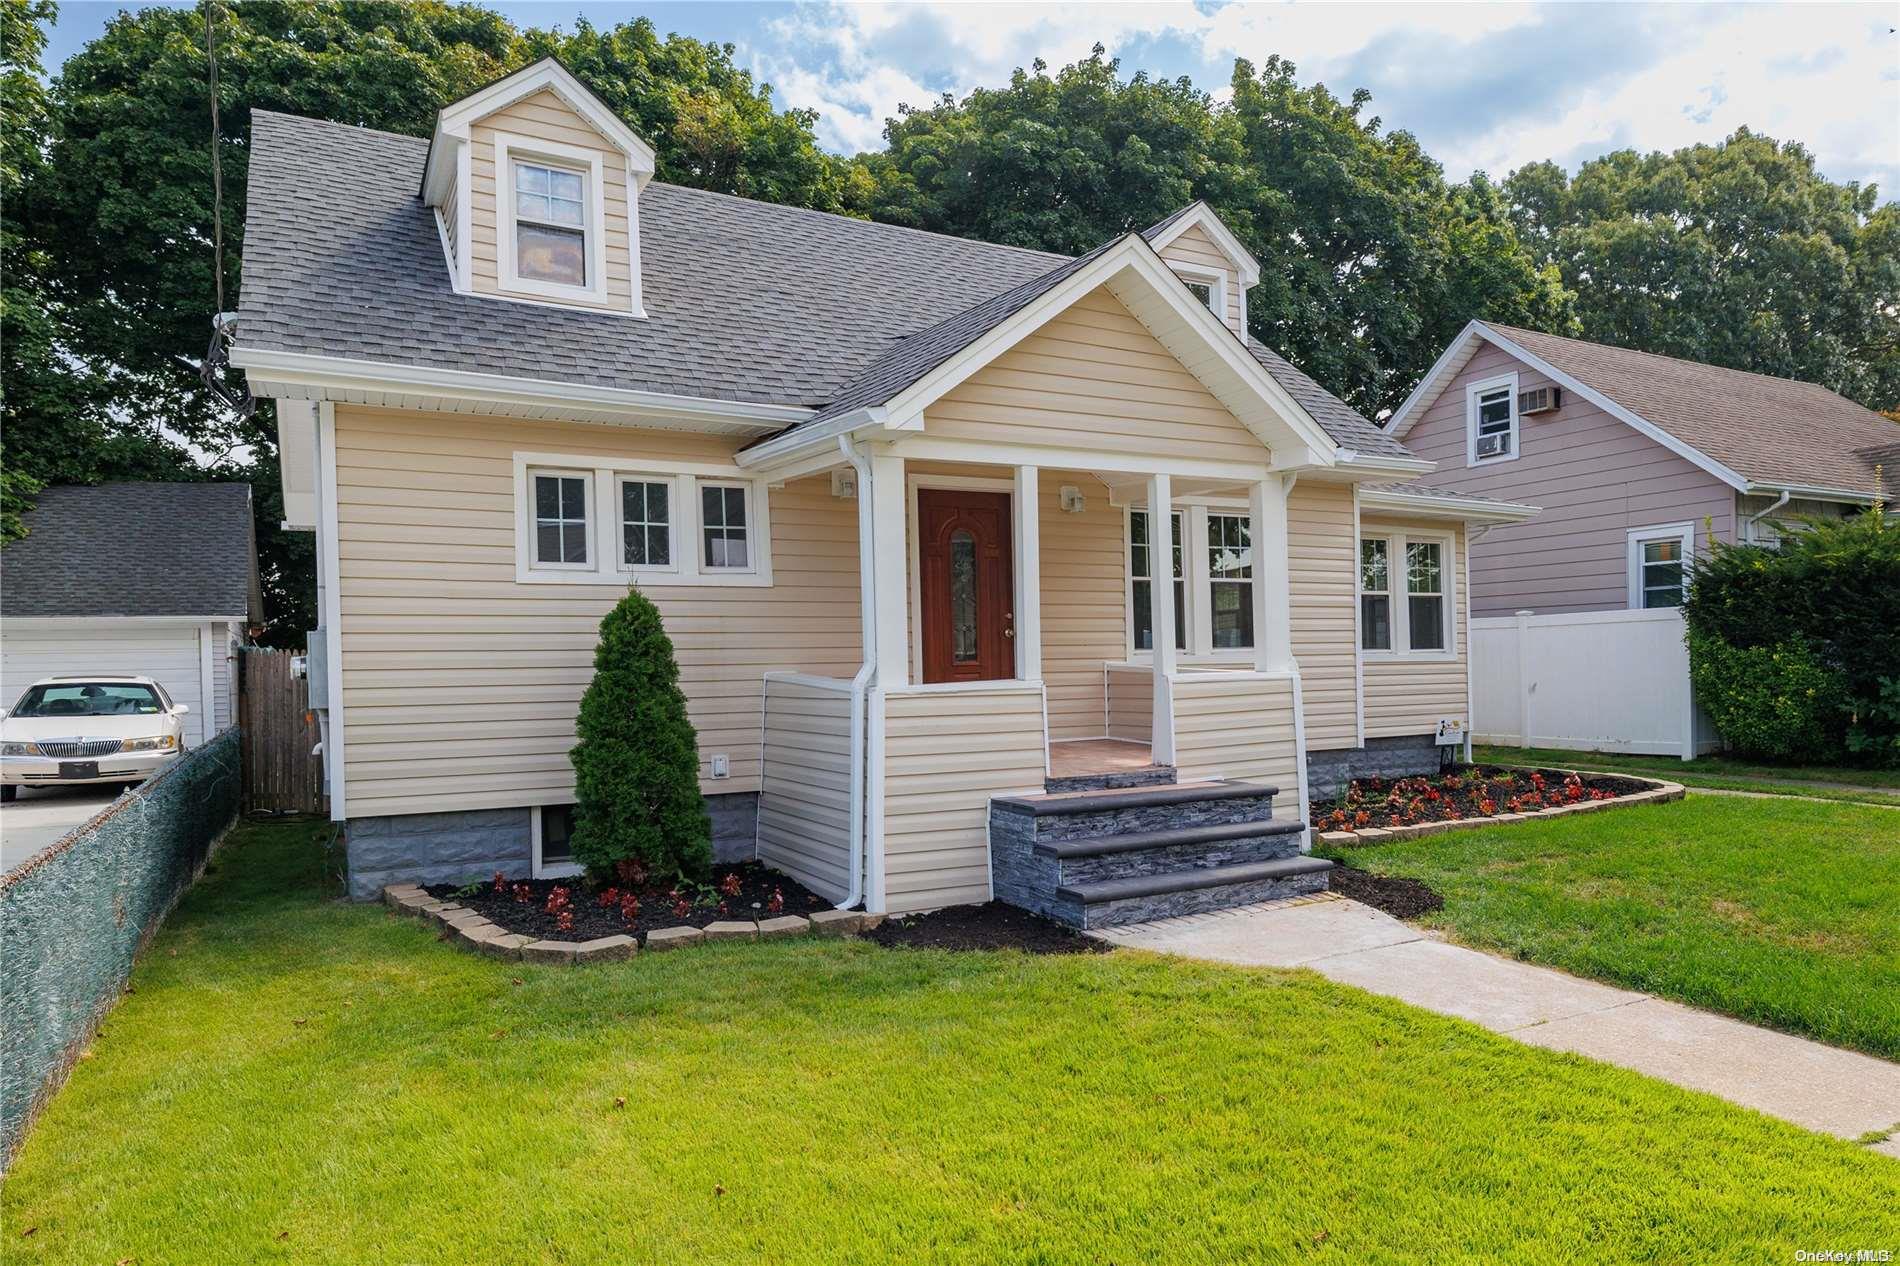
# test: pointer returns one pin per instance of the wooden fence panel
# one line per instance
(282, 772)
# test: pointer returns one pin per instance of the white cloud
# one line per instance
(1483, 86)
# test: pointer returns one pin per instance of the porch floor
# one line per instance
(1075, 758)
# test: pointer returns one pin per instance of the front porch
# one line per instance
(1012, 627)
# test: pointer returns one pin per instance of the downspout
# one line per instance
(1472, 538)
(867, 616)
(1747, 533)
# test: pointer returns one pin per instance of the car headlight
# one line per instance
(163, 743)
(18, 749)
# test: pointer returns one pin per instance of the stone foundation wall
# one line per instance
(1406, 757)
(434, 848)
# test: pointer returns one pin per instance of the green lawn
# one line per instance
(1824, 782)
(1782, 912)
(296, 1079)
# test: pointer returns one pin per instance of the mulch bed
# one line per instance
(1462, 792)
(1400, 898)
(990, 926)
(524, 905)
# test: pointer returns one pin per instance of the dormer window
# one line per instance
(550, 224)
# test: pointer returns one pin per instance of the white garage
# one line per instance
(153, 580)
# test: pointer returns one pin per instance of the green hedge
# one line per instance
(1795, 651)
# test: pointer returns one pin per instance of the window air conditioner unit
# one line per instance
(1539, 400)
(1494, 445)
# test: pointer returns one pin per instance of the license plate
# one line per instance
(79, 769)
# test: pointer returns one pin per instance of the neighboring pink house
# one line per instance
(1635, 459)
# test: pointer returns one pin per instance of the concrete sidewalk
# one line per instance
(1820, 1087)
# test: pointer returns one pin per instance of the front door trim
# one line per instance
(926, 479)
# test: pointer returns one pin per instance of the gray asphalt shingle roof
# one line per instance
(746, 301)
(1772, 431)
(133, 549)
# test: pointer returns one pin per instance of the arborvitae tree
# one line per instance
(636, 767)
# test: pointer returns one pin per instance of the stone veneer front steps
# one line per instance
(471, 931)
(1099, 858)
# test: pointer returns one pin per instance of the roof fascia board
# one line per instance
(343, 373)
(1202, 216)
(1432, 384)
(1688, 453)
(1417, 503)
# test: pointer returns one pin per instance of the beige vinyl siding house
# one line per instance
(903, 536)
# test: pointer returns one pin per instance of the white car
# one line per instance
(94, 729)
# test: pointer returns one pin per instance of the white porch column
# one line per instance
(889, 512)
(1161, 608)
(1027, 622)
(1272, 583)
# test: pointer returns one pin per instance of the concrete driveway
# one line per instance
(43, 814)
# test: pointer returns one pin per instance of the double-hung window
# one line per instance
(561, 519)
(1659, 559)
(1230, 581)
(1417, 568)
(550, 224)
(1491, 431)
(1425, 595)
(723, 525)
(1375, 594)
(646, 523)
(1141, 575)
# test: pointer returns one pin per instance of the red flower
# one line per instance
(730, 884)
(564, 921)
(777, 903)
(501, 882)
(629, 907)
(681, 907)
(523, 893)
(1487, 806)
(609, 898)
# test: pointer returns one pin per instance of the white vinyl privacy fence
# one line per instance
(1608, 681)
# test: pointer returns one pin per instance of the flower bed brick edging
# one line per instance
(1656, 793)
(473, 932)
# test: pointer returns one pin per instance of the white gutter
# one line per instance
(867, 617)
(1392, 500)
(1747, 533)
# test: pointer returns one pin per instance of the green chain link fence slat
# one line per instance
(73, 918)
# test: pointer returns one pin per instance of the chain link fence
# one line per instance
(73, 918)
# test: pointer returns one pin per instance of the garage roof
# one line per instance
(134, 549)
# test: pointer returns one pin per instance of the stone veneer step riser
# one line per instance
(1159, 817)
(1169, 905)
(1154, 776)
(1177, 857)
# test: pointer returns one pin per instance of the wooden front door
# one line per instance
(965, 593)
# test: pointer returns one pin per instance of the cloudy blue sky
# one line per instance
(1483, 86)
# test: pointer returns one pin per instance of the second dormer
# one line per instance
(535, 184)
(1204, 253)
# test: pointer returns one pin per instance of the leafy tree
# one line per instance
(636, 767)
(1370, 261)
(1739, 254)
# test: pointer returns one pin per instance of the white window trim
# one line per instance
(1398, 580)
(1214, 279)
(590, 517)
(558, 870)
(606, 567)
(508, 149)
(1189, 622)
(1199, 642)
(753, 498)
(1472, 392)
(1684, 532)
(1361, 593)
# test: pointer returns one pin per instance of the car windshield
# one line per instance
(88, 699)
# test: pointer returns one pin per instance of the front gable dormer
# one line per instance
(1206, 255)
(536, 185)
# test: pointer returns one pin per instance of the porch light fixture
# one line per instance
(844, 484)
(1072, 499)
